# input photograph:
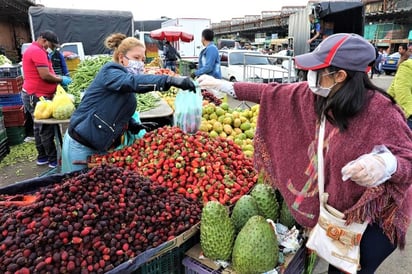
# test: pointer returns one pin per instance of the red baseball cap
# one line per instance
(343, 50)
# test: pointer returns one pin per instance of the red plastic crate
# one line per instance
(11, 85)
(14, 116)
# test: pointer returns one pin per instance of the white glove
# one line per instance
(371, 169)
(209, 82)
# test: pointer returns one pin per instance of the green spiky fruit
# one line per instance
(256, 247)
(286, 217)
(217, 232)
(244, 208)
(265, 197)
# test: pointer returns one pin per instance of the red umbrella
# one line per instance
(171, 34)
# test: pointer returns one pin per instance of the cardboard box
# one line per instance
(196, 251)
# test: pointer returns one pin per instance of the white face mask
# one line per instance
(314, 85)
(49, 50)
(135, 67)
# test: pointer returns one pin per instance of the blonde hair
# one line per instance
(118, 42)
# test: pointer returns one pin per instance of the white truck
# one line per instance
(189, 51)
(334, 16)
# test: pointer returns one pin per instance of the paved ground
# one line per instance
(398, 262)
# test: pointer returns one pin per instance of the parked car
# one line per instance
(390, 63)
(254, 66)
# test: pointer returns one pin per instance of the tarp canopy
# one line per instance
(91, 27)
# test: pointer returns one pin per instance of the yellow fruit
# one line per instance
(250, 133)
(227, 129)
(206, 116)
(224, 106)
(242, 136)
(235, 114)
(213, 134)
(247, 147)
(219, 111)
(217, 126)
(248, 153)
(213, 116)
(238, 141)
(203, 127)
(245, 126)
(220, 119)
(223, 134)
(227, 120)
(243, 119)
(237, 122)
(237, 130)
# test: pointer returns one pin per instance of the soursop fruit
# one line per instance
(265, 197)
(286, 218)
(217, 232)
(244, 208)
(256, 247)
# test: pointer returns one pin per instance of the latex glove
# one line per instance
(135, 127)
(66, 80)
(209, 82)
(371, 169)
(184, 83)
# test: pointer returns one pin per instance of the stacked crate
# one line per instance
(4, 146)
(11, 84)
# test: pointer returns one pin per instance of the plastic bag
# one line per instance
(43, 109)
(188, 110)
(63, 106)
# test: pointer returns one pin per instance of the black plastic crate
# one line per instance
(10, 71)
(4, 149)
(171, 261)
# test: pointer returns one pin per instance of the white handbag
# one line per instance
(331, 238)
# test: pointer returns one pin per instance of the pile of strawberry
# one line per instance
(195, 165)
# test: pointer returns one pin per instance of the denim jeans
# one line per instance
(43, 134)
(74, 151)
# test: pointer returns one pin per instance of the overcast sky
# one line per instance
(154, 9)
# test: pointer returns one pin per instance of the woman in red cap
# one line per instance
(368, 145)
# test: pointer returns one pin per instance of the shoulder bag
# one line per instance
(331, 239)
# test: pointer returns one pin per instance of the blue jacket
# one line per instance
(209, 62)
(109, 103)
(58, 63)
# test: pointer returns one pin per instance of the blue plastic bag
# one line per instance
(188, 110)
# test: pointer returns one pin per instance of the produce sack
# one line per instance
(43, 109)
(63, 106)
(188, 110)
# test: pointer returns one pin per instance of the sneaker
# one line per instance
(53, 164)
(42, 161)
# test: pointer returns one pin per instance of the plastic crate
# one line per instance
(4, 148)
(72, 64)
(171, 261)
(3, 133)
(14, 116)
(194, 267)
(15, 135)
(11, 85)
(11, 100)
(10, 71)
